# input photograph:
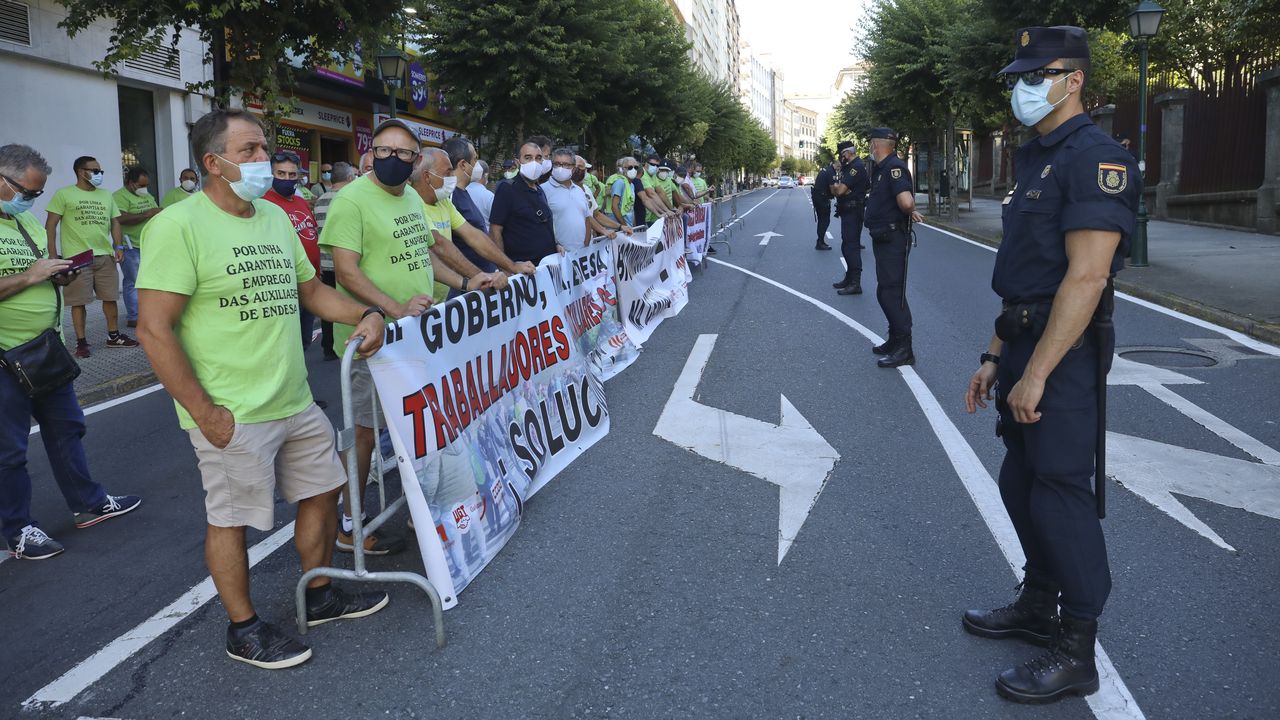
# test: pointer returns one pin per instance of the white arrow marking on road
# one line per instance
(1129, 372)
(768, 236)
(1156, 472)
(791, 455)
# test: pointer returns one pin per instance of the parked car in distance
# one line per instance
(802, 180)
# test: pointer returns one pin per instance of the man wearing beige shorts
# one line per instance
(90, 221)
(220, 288)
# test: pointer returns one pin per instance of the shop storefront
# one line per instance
(322, 133)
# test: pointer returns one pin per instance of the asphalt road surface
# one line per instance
(645, 581)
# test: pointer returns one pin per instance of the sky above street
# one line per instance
(810, 39)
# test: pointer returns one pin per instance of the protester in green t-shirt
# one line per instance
(89, 220)
(657, 202)
(221, 283)
(188, 184)
(29, 309)
(137, 207)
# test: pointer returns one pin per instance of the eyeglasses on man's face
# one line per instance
(1035, 77)
(382, 152)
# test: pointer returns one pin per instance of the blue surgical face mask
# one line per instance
(1031, 102)
(19, 203)
(255, 179)
(326, 176)
(96, 178)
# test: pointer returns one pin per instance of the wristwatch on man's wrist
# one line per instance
(466, 281)
(989, 358)
(374, 309)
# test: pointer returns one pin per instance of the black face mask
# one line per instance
(284, 187)
(392, 171)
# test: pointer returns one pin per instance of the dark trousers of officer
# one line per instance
(1046, 480)
(889, 246)
(822, 208)
(326, 328)
(850, 238)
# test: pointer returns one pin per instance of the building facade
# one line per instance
(58, 103)
(803, 138)
(712, 29)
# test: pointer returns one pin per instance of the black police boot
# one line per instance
(1033, 617)
(843, 283)
(853, 288)
(901, 354)
(885, 347)
(822, 245)
(1066, 668)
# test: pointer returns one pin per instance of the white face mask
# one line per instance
(631, 173)
(476, 175)
(531, 170)
(545, 167)
(510, 174)
(450, 184)
(140, 192)
(664, 174)
(1031, 102)
(255, 179)
(561, 174)
(189, 185)
(697, 174)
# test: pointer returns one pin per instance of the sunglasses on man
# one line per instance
(1035, 77)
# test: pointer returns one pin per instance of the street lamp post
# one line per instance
(391, 67)
(1144, 22)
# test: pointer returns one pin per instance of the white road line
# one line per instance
(1113, 701)
(113, 402)
(92, 669)
(1214, 424)
(1235, 335)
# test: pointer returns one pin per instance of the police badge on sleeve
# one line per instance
(1112, 178)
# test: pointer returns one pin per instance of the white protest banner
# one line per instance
(695, 232)
(593, 309)
(652, 277)
(487, 397)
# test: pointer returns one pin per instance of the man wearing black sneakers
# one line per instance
(220, 287)
(29, 307)
(1067, 224)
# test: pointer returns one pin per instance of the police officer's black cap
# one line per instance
(882, 133)
(508, 163)
(842, 146)
(1036, 47)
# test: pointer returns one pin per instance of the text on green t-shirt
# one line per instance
(34, 310)
(86, 219)
(240, 326)
(392, 236)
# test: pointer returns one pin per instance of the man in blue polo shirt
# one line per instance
(520, 222)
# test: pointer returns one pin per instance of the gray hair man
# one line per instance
(480, 192)
(29, 309)
(231, 359)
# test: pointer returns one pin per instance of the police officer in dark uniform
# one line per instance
(1067, 223)
(891, 208)
(850, 191)
(821, 194)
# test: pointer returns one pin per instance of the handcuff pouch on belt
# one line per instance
(1018, 319)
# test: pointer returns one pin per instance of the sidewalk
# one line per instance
(1228, 277)
(108, 372)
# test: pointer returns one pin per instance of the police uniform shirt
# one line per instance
(888, 178)
(822, 184)
(1074, 178)
(854, 177)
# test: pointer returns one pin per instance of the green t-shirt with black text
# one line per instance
(392, 236)
(86, 220)
(240, 326)
(134, 204)
(33, 310)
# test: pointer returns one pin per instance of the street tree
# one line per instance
(257, 47)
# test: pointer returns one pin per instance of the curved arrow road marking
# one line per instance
(1113, 701)
(791, 455)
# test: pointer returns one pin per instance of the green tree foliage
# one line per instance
(264, 38)
(594, 72)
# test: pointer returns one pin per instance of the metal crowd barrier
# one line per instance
(346, 445)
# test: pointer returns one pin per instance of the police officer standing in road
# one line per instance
(821, 194)
(1067, 223)
(850, 191)
(891, 208)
